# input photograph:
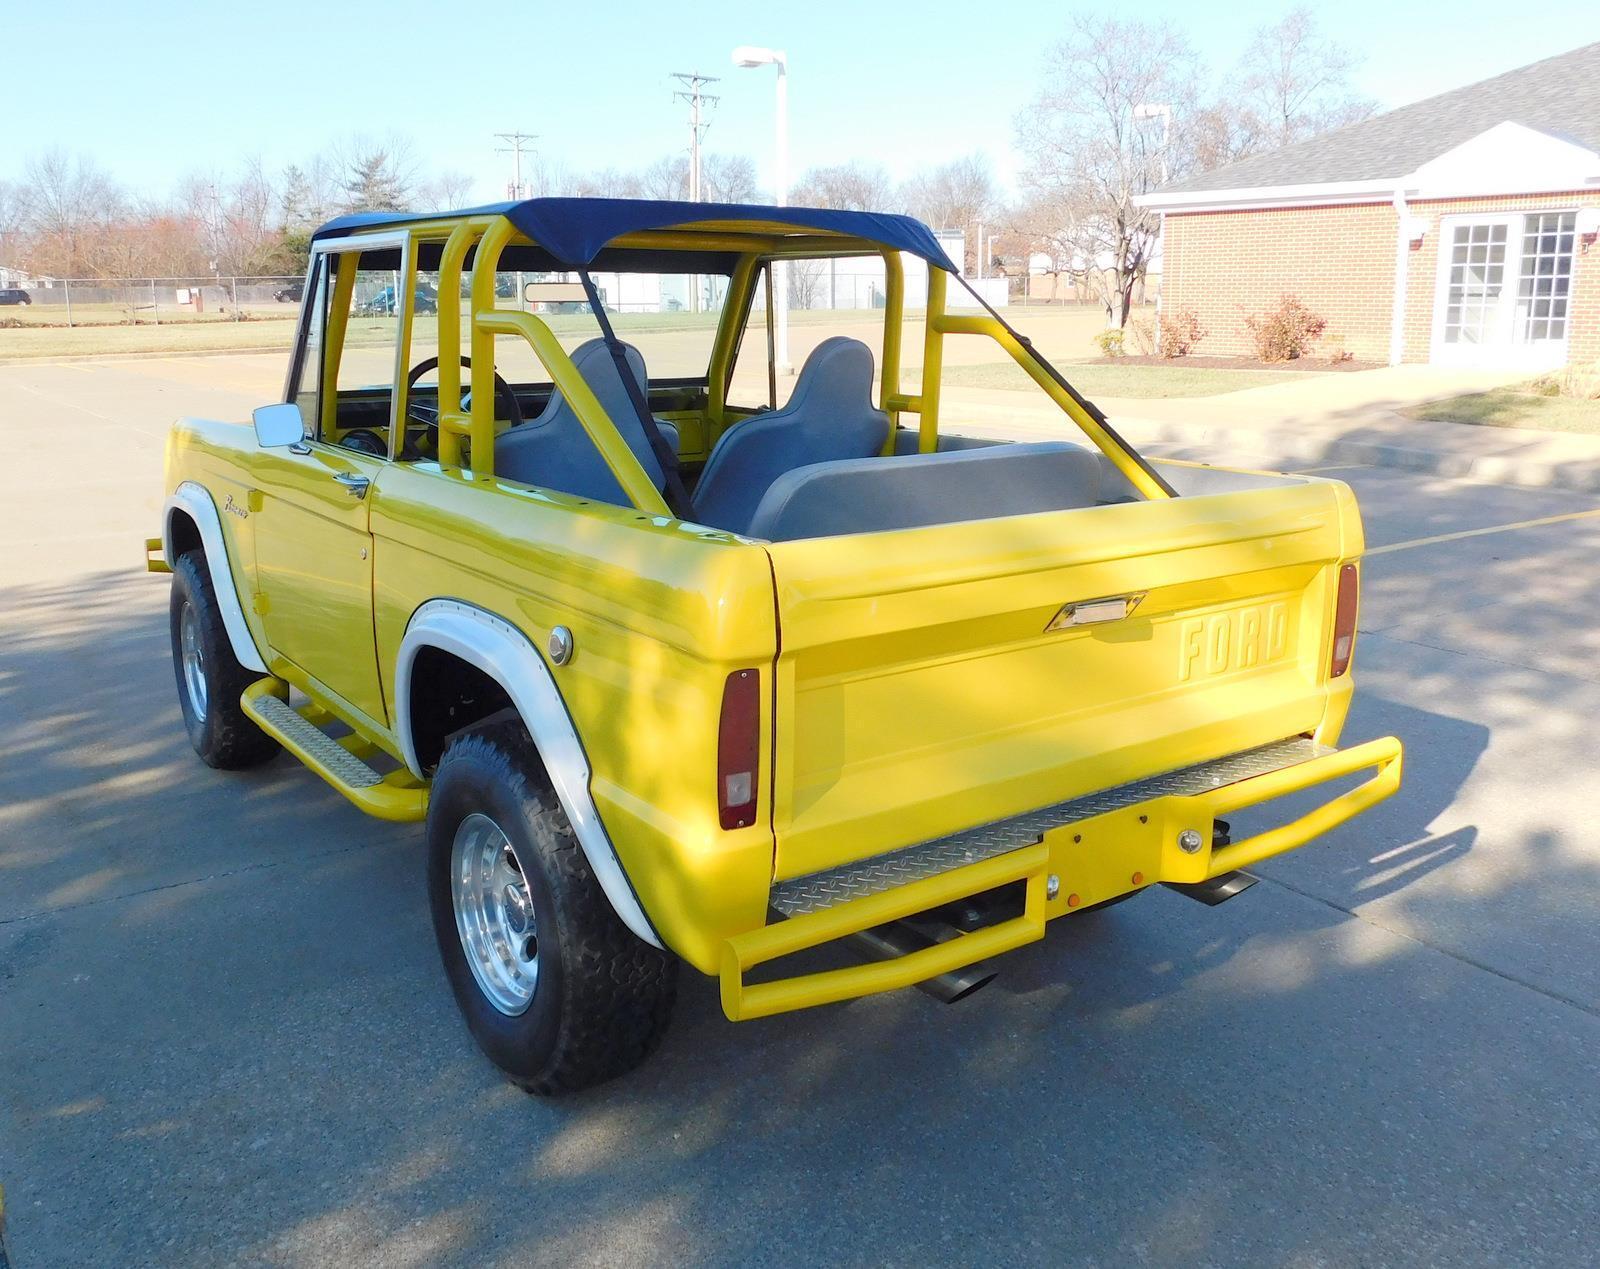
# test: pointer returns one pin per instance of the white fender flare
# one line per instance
(195, 502)
(507, 656)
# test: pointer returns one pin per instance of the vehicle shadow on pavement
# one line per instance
(225, 1038)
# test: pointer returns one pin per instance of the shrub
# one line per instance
(1180, 332)
(1110, 341)
(1285, 333)
(1579, 382)
(1334, 351)
(1144, 336)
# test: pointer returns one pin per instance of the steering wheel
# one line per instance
(428, 416)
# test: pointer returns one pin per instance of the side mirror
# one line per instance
(279, 425)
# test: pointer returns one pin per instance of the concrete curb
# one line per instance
(1315, 447)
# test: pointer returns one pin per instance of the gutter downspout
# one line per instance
(1402, 261)
(1161, 246)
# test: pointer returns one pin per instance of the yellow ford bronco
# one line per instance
(682, 658)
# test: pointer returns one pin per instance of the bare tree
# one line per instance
(952, 196)
(666, 178)
(547, 178)
(956, 195)
(447, 192)
(805, 282)
(251, 220)
(727, 178)
(612, 183)
(10, 207)
(1089, 157)
(850, 186)
(64, 202)
(1296, 84)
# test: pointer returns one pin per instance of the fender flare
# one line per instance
(508, 657)
(194, 501)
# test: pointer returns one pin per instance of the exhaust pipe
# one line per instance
(900, 938)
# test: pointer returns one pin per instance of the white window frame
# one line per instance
(1507, 352)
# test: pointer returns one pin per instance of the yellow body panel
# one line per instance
(911, 685)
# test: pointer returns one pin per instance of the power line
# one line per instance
(517, 142)
(693, 82)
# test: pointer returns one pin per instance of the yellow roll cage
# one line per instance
(756, 244)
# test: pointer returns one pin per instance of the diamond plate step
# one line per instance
(280, 719)
(820, 890)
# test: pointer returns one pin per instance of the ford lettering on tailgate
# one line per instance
(1237, 639)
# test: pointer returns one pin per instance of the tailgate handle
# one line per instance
(1092, 612)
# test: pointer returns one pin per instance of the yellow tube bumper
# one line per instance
(741, 1001)
(1089, 861)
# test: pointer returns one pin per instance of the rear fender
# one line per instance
(507, 656)
(194, 501)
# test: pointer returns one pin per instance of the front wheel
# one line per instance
(556, 990)
(210, 678)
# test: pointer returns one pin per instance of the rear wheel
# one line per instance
(556, 990)
(210, 678)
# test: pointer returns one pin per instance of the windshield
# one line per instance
(671, 318)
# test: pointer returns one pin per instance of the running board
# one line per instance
(396, 796)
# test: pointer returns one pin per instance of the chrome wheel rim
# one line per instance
(494, 914)
(192, 652)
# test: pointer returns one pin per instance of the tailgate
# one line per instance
(919, 690)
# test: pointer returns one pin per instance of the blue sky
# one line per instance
(157, 90)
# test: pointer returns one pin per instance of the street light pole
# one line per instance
(748, 56)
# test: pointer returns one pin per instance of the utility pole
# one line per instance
(516, 142)
(693, 82)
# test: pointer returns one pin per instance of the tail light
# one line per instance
(1344, 620)
(739, 749)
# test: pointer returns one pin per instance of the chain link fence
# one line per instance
(154, 301)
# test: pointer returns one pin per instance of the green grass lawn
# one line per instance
(1107, 379)
(1514, 407)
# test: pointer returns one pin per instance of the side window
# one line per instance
(310, 368)
(753, 385)
(364, 380)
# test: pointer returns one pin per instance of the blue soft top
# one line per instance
(575, 230)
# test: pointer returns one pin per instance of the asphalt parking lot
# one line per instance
(225, 1037)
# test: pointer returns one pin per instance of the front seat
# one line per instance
(554, 452)
(829, 416)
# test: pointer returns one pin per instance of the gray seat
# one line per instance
(909, 491)
(554, 452)
(829, 416)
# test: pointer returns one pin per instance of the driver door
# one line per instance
(313, 540)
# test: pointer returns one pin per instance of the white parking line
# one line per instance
(1475, 533)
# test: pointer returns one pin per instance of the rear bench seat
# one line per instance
(868, 495)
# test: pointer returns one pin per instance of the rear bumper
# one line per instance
(1069, 856)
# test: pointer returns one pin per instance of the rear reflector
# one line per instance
(1344, 620)
(739, 749)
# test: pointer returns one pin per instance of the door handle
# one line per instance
(354, 482)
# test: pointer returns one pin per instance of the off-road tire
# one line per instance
(603, 997)
(224, 735)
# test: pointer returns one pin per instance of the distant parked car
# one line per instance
(291, 294)
(14, 295)
(382, 304)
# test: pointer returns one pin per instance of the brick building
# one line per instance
(1459, 230)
